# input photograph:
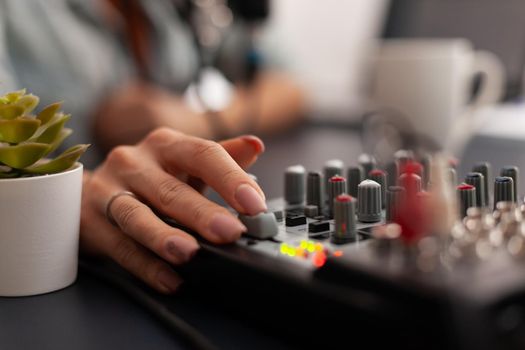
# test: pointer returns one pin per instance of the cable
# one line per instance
(191, 336)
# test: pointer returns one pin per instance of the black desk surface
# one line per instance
(93, 315)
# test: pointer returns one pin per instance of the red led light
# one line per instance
(465, 187)
(338, 253)
(319, 259)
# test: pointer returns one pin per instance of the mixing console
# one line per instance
(401, 248)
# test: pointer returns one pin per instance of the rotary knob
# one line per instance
(503, 190)
(313, 190)
(513, 172)
(467, 198)
(369, 201)
(379, 176)
(354, 176)
(394, 201)
(332, 168)
(410, 182)
(484, 169)
(294, 183)
(368, 162)
(344, 216)
(478, 181)
(336, 186)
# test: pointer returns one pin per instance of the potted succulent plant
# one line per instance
(39, 198)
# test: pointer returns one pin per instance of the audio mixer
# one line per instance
(383, 254)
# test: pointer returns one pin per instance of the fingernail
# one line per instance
(250, 199)
(169, 280)
(226, 226)
(180, 248)
(255, 142)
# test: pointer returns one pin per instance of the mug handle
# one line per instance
(490, 92)
(493, 79)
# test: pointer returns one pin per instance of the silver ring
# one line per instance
(109, 216)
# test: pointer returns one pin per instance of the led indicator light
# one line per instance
(338, 253)
(319, 259)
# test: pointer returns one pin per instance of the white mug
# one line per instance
(429, 82)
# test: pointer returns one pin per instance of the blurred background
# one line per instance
(442, 70)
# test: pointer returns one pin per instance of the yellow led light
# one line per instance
(284, 248)
(291, 251)
(299, 252)
(319, 247)
(304, 244)
(310, 246)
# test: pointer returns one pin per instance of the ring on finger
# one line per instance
(109, 216)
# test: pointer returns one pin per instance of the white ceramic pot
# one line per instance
(39, 232)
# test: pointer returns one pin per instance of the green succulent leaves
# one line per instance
(25, 138)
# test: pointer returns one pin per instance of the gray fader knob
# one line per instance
(332, 168)
(379, 176)
(369, 201)
(478, 181)
(336, 186)
(294, 183)
(368, 162)
(513, 172)
(354, 176)
(313, 190)
(262, 225)
(503, 190)
(467, 198)
(484, 169)
(344, 216)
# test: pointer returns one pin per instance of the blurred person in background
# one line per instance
(126, 67)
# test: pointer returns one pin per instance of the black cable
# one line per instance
(189, 335)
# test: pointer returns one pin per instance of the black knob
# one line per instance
(513, 172)
(484, 169)
(354, 176)
(467, 198)
(313, 190)
(503, 190)
(395, 195)
(478, 181)
(368, 162)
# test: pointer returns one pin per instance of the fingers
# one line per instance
(210, 162)
(180, 201)
(244, 150)
(98, 235)
(140, 223)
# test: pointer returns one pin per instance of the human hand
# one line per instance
(167, 171)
